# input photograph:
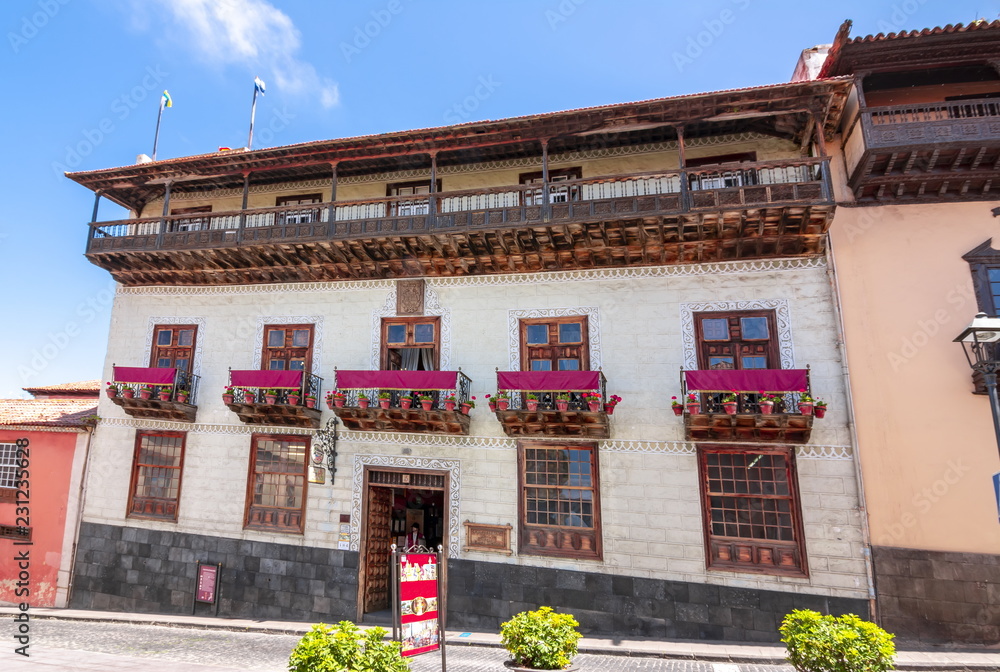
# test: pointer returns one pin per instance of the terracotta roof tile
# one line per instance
(939, 30)
(92, 386)
(46, 412)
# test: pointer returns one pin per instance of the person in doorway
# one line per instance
(414, 538)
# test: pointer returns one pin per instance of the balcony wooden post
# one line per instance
(681, 162)
(333, 193)
(97, 203)
(859, 87)
(243, 207)
(431, 199)
(163, 219)
(545, 178)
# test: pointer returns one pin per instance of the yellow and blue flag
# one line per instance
(166, 100)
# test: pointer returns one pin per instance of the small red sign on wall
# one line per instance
(208, 576)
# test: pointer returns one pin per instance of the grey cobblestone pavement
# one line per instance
(91, 645)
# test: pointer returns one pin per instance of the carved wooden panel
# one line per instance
(377, 551)
(483, 537)
(410, 297)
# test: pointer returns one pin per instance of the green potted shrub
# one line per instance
(346, 648)
(540, 640)
(818, 643)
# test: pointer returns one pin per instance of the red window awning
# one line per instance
(568, 381)
(747, 380)
(279, 380)
(144, 375)
(397, 380)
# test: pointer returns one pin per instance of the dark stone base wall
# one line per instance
(934, 596)
(151, 571)
(482, 595)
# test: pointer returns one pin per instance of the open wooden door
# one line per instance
(378, 538)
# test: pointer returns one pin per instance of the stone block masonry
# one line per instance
(153, 571)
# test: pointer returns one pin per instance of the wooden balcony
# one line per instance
(438, 419)
(754, 427)
(711, 213)
(258, 410)
(169, 393)
(547, 420)
(940, 151)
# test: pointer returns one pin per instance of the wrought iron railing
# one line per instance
(746, 401)
(462, 394)
(184, 384)
(311, 385)
(547, 398)
(919, 113)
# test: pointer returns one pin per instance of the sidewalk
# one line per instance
(908, 657)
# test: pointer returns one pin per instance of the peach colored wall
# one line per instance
(926, 443)
(50, 469)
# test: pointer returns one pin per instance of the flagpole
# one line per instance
(156, 138)
(253, 111)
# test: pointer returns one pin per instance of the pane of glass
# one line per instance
(423, 333)
(569, 364)
(181, 364)
(753, 328)
(276, 338)
(538, 334)
(277, 365)
(297, 365)
(541, 365)
(754, 362)
(164, 337)
(720, 362)
(715, 329)
(994, 274)
(571, 333)
(396, 333)
(163, 362)
(300, 338)
(185, 337)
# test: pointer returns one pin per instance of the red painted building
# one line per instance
(42, 519)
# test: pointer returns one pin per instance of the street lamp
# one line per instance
(981, 342)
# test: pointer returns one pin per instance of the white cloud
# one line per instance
(252, 33)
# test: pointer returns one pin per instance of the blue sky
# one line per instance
(82, 81)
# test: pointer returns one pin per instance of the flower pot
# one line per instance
(806, 409)
(426, 404)
(405, 402)
(466, 408)
(609, 409)
(249, 398)
(128, 393)
(594, 406)
(678, 410)
(819, 411)
(502, 404)
(493, 406)
(164, 396)
(227, 399)
(182, 397)
(729, 407)
(339, 402)
(112, 393)
(693, 409)
(145, 394)
(270, 398)
(384, 403)
(767, 407)
(362, 403)
(532, 404)
(562, 405)
(293, 399)
(310, 403)
(449, 405)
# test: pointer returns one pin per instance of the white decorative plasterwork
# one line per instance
(199, 427)
(315, 320)
(453, 467)
(432, 307)
(514, 318)
(595, 275)
(428, 440)
(199, 337)
(825, 452)
(782, 316)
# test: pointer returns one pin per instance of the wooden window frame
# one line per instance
(410, 342)
(774, 352)
(288, 200)
(391, 186)
(533, 196)
(136, 467)
(192, 224)
(265, 357)
(175, 328)
(559, 537)
(9, 493)
(584, 345)
(248, 513)
(766, 556)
